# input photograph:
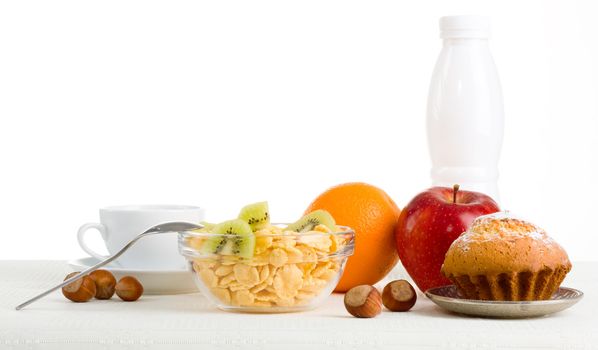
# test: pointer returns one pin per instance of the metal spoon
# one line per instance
(158, 229)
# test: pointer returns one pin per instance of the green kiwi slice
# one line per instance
(207, 227)
(242, 245)
(311, 220)
(256, 215)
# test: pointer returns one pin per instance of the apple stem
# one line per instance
(455, 190)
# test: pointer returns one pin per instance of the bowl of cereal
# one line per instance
(250, 265)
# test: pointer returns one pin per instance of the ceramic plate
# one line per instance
(448, 298)
(154, 281)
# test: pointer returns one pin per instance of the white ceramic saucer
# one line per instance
(154, 281)
(448, 298)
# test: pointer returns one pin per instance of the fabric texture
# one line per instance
(189, 321)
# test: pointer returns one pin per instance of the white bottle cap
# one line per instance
(465, 27)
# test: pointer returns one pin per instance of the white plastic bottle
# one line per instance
(465, 108)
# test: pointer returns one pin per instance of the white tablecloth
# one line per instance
(188, 321)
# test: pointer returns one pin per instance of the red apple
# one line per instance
(430, 223)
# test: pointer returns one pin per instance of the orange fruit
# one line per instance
(373, 215)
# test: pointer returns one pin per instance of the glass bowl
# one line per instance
(288, 271)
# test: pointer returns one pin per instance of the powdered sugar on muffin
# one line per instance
(503, 226)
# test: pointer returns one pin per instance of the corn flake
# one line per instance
(208, 277)
(309, 253)
(223, 270)
(246, 275)
(319, 242)
(243, 298)
(227, 280)
(278, 257)
(222, 293)
(258, 288)
(259, 303)
(262, 244)
(285, 302)
(264, 295)
(288, 281)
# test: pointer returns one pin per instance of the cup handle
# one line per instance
(81, 238)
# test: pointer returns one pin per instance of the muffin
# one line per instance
(504, 258)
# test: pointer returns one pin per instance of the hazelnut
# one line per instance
(81, 290)
(363, 301)
(399, 295)
(129, 288)
(105, 283)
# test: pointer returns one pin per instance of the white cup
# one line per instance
(120, 224)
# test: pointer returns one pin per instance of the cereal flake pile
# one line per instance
(286, 269)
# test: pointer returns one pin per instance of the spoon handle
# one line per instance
(90, 269)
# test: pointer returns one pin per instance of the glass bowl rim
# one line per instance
(192, 253)
(346, 230)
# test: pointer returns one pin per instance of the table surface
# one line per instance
(185, 321)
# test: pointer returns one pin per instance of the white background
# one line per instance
(221, 103)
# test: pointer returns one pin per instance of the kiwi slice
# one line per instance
(242, 245)
(207, 227)
(256, 215)
(311, 220)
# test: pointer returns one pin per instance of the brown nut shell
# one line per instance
(363, 301)
(129, 288)
(81, 290)
(105, 283)
(399, 295)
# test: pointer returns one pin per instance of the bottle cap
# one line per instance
(465, 27)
